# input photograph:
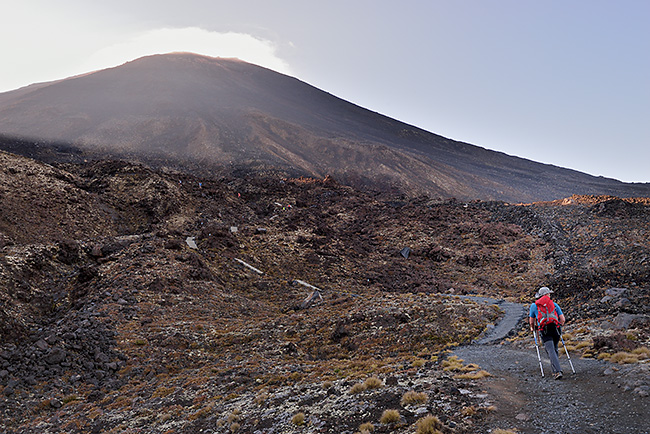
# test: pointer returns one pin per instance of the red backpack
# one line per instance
(546, 312)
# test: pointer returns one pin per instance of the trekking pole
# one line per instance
(538, 357)
(567, 354)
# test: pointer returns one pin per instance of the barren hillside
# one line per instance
(186, 110)
(134, 299)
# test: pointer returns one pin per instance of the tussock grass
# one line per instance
(261, 396)
(414, 398)
(452, 363)
(389, 416)
(625, 357)
(468, 411)
(298, 419)
(358, 388)
(373, 383)
(503, 431)
(428, 425)
(234, 416)
(366, 428)
(473, 375)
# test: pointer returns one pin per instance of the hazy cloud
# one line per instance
(190, 39)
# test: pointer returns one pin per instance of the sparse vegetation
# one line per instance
(473, 375)
(373, 383)
(428, 425)
(414, 398)
(389, 416)
(366, 428)
(418, 363)
(358, 388)
(298, 419)
(177, 337)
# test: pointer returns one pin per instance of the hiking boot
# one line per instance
(558, 375)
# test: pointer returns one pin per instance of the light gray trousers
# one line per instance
(551, 350)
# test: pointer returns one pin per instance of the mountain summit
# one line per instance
(215, 111)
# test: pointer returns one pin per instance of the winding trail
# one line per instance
(591, 402)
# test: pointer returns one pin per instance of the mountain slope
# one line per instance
(185, 107)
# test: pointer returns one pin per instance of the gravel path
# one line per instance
(591, 401)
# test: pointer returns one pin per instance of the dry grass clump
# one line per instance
(473, 375)
(200, 414)
(428, 425)
(358, 388)
(453, 363)
(70, 398)
(389, 416)
(235, 426)
(373, 383)
(625, 357)
(468, 411)
(414, 398)
(418, 363)
(503, 431)
(234, 416)
(366, 428)
(328, 385)
(298, 419)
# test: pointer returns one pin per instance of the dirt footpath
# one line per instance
(594, 400)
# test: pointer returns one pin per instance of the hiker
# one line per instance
(547, 317)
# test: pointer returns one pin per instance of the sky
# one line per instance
(555, 81)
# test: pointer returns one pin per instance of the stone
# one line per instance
(623, 320)
(55, 356)
(622, 302)
(615, 292)
(642, 391)
(42, 345)
(101, 357)
(96, 251)
(191, 243)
